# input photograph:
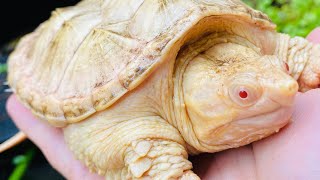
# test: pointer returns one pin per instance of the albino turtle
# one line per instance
(139, 85)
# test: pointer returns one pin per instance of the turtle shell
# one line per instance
(85, 57)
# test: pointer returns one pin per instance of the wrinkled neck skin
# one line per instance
(220, 64)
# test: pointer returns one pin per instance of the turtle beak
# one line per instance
(284, 91)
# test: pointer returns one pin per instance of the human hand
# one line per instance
(50, 141)
(293, 153)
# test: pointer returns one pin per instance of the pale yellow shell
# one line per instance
(85, 57)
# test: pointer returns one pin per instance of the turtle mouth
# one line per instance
(244, 131)
(257, 127)
(267, 120)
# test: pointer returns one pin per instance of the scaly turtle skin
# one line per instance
(139, 85)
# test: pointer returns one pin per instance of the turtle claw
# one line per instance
(9, 90)
(189, 175)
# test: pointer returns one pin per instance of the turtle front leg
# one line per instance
(303, 58)
(158, 159)
(310, 76)
(143, 147)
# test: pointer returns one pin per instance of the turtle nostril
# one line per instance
(293, 88)
(284, 94)
(290, 88)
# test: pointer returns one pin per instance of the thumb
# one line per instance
(314, 36)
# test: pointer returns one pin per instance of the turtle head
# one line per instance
(234, 96)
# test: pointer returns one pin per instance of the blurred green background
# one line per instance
(294, 17)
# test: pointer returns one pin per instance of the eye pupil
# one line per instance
(287, 67)
(243, 94)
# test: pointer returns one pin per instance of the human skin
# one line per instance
(293, 153)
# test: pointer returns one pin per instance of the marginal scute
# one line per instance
(74, 108)
(54, 113)
(107, 94)
(86, 57)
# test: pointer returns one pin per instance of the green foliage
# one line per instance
(21, 162)
(3, 68)
(294, 17)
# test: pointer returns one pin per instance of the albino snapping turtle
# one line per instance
(139, 85)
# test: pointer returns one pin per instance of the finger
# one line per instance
(314, 36)
(49, 140)
(38, 132)
(230, 164)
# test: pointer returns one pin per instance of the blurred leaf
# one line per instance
(19, 159)
(22, 162)
(3, 68)
(294, 17)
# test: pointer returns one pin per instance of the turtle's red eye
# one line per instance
(287, 66)
(243, 94)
